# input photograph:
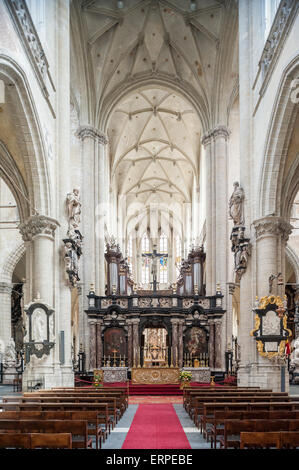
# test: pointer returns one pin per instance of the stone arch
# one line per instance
(277, 142)
(106, 108)
(291, 188)
(30, 137)
(14, 180)
(294, 261)
(10, 262)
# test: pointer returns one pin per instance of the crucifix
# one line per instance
(153, 256)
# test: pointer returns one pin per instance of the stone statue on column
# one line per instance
(240, 245)
(236, 205)
(73, 244)
(73, 209)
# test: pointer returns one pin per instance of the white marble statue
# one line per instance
(73, 208)
(236, 205)
(295, 353)
(10, 354)
(39, 326)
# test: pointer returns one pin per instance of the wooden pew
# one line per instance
(216, 428)
(197, 411)
(120, 398)
(95, 425)
(78, 429)
(51, 441)
(289, 440)
(192, 399)
(210, 408)
(199, 390)
(15, 441)
(260, 440)
(122, 394)
(101, 408)
(280, 440)
(14, 403)
(233, 429)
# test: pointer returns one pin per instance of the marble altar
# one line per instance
(199, 374)
(115, 374)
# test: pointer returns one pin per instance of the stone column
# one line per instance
(130, 344)
(215, 144)
(229, 314)
(212, 346)
(210, 256)
(247, 283)
(39, 230)
(136, 348)
(181, 344)
(94, 212)
(5, 316)
(38, 234)
(175, 344)
(296, 300)
(218, 349)
(271, 236)
(92, 345)
(99, 344)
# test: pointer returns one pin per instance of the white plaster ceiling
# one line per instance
(154, 137)
(152, 54)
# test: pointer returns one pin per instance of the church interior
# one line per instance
(149, 217)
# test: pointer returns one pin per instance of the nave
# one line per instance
(193, 420)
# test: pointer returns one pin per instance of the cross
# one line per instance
(153, 256)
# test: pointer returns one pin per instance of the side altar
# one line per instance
(155, 375)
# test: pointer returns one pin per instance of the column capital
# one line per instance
(89, 131)
(212, 134)
(272, 226)
(38, 225)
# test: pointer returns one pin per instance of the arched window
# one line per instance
(163, 260)
(145, 267)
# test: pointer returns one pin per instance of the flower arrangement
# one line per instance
(185, 375)
(98, 378)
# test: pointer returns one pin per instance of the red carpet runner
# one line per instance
(156, 427)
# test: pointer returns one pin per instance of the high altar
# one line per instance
(153, 334)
